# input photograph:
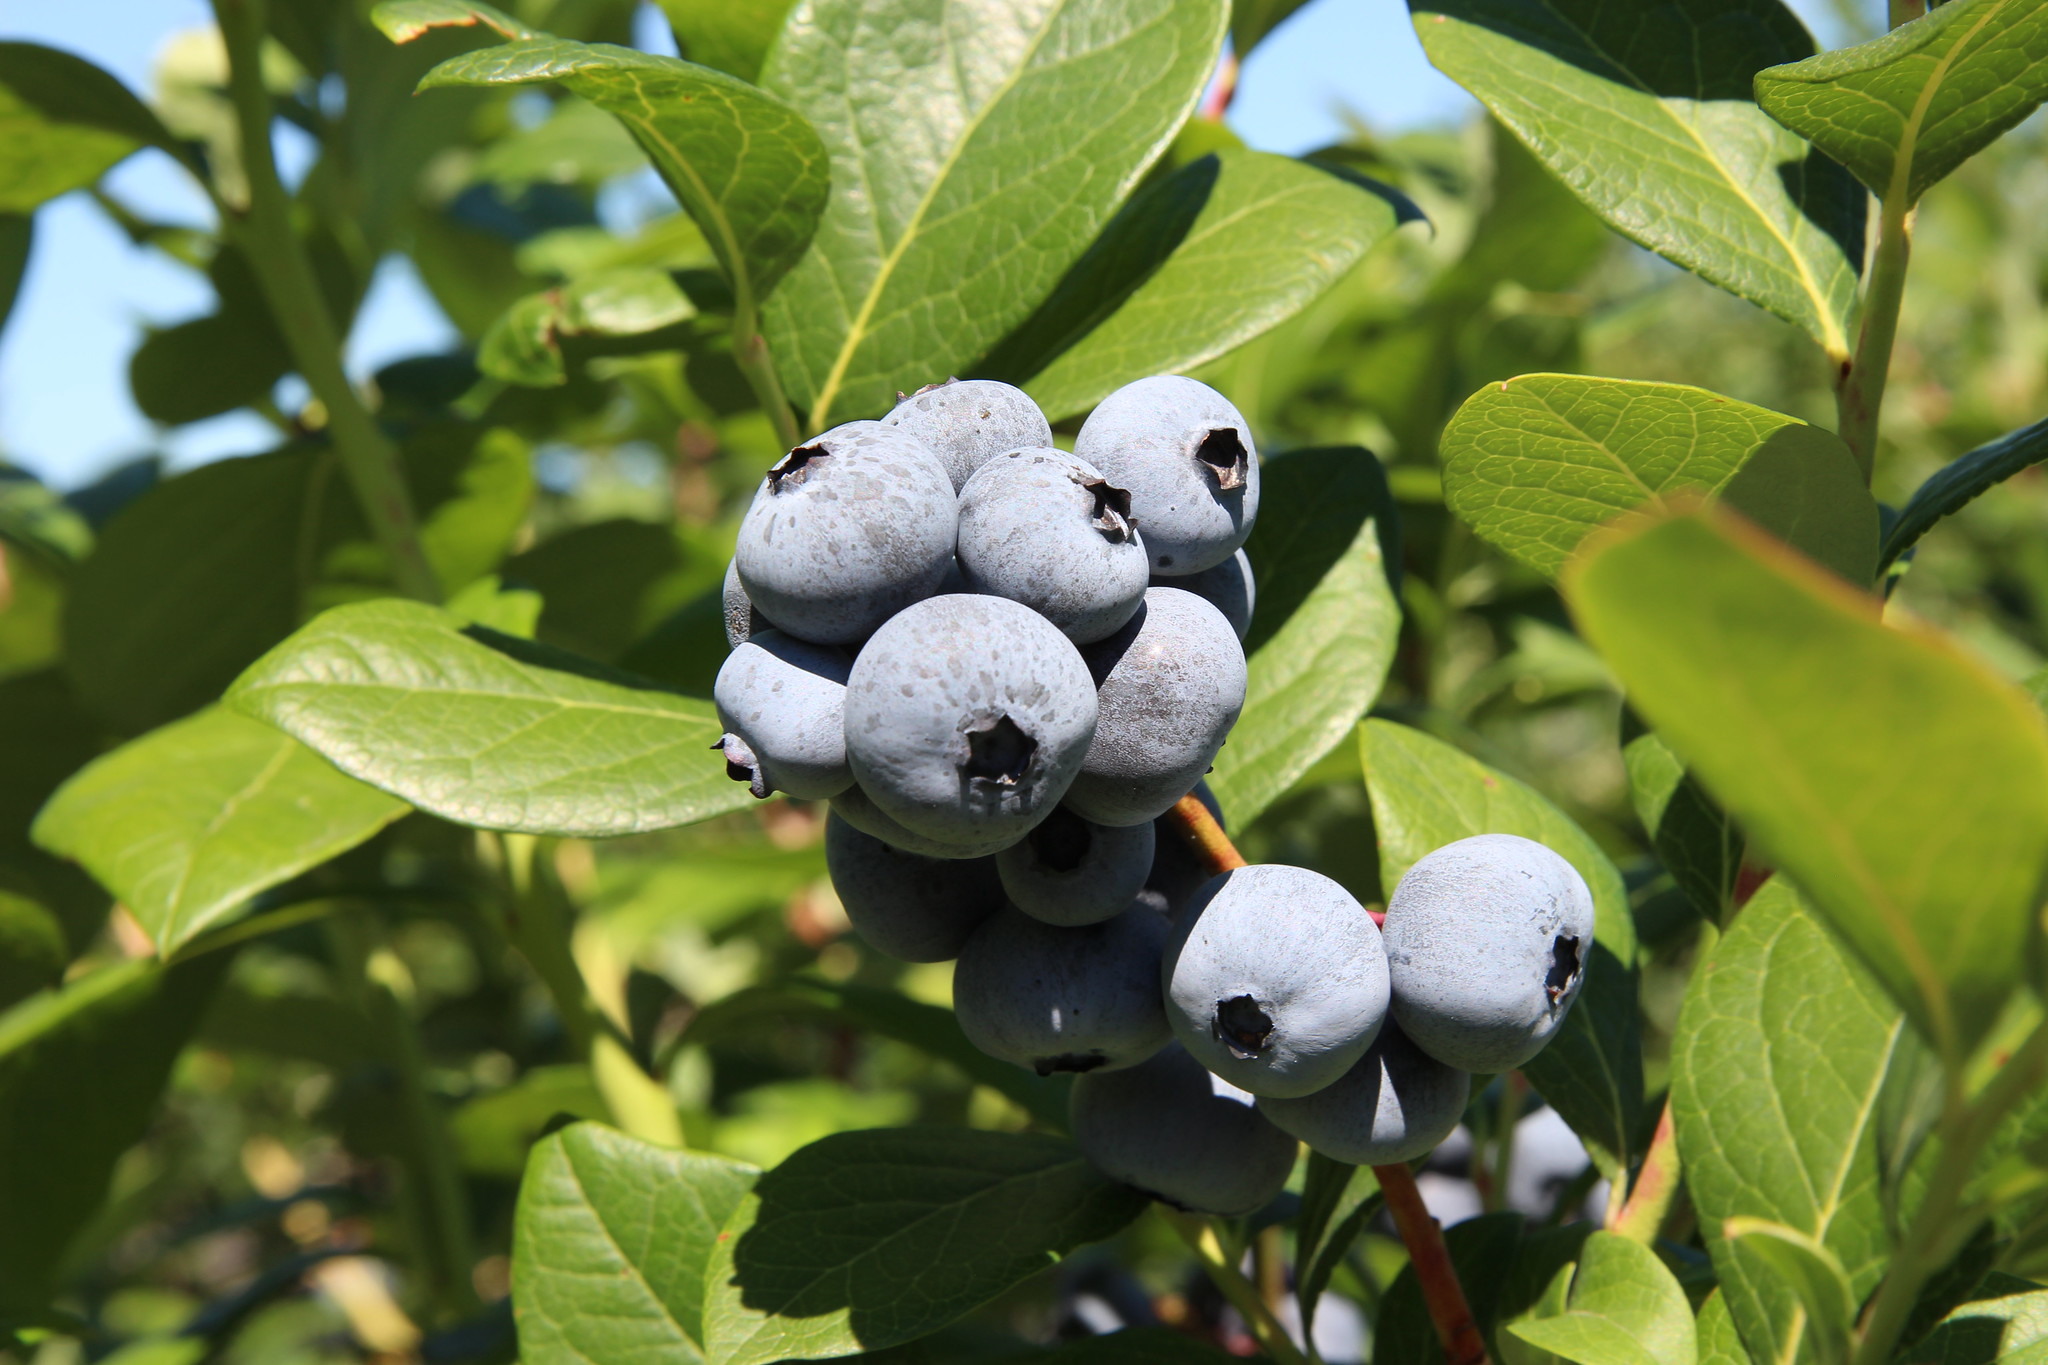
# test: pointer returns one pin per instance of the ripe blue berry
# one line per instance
(1068, 871)
(782, 703)
(966, 421)
(1487, 940)
(904, 905)
(1394, 1104)
(1181, 1135)
(1228, 587)
(1040, 527)
(741, 620)
(846, 531)
(1275, 979)
(1063, 999)
(1170, 685)
(857, 809)
(967, 718)
(1186, 456)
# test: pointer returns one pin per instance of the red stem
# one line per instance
(1448, 1307)
(1649, 1202)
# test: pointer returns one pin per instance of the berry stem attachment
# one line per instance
(1445, 1297)
(1200, 1235)
(1448, 1307)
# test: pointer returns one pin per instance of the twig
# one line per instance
(1200, 1235)
(1448, 1307)
(1649, 1200)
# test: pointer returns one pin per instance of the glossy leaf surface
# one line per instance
(486, 730)
(1769, 679)
(1325, 627)
(1952, 487)
(1904, 110)
(188, 822)
(1426, 794)
(979, 149)
(1535, 464)
(864, 1240)
(1777, 1064)
(1646, 111)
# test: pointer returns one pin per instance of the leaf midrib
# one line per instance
(856, 331)
(213, 826)
(1900, 187)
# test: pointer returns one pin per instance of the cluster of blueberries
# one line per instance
(1004, 665)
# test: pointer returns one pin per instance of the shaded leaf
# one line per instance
(1625, 1308)
(610, 1246)
(1718, 1342)
(1780, 1055)
(1326, 625)
(1426, 794)
(1252, 20)
(1812, 1273)
(1534, 465)
(864, 1240)
(1952, 487)
(743, 164)
(1336, 1202)
(187, 823)
(64, 122)
(979, 181)
(1904, 110)
(1483, 1252)
(1925, 852)
(731, 35)
(526, 345)
(97, 1052)
(1219, 252)
(1697, 843)
(1646, 111)
(2007, 1329)
(487, 730)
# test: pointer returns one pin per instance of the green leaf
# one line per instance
(1904, 110)
(404, 20)
(865, 1240)
(610, 1246)
(487, 730)
(475, 514)
(1136, 1346)
(1327, 622)
(1252, 20)
(731, 35)
(1426, 794)
(1536, 464)
(1483, 1252)
(187, 823)
(1718, 1342)
(80, 1072)
(979, 181)
(1949, 489)
(17, 235)
(1779, 1058)
(2009, 1329)
(1646, 111)
(641, 306)
(891, 1014)
(46, 737)
(1901, 783)
(743, 164)
(1813, 1274)
(32, 948)
(1337, 1200)
(63, 124)
(1694, 839)
(1625, 1308)
(1221, 251)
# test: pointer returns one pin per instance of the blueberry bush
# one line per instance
(692, 826)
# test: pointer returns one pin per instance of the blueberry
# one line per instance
(1063, 999)
(1228, 587)
(1181, 1135)
(1186, 456)
(1042, 528)
(965, 421)
(1178, 872)
(967, 718)
(741, 620)
(1487, 941)
(846, 531)
(906, 906)
(1395, 1103)
(782, 703)
(1169, 687)
(1068, 871)
(856, 808)
(1275, 979)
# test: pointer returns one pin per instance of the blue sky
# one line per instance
(64, 405)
